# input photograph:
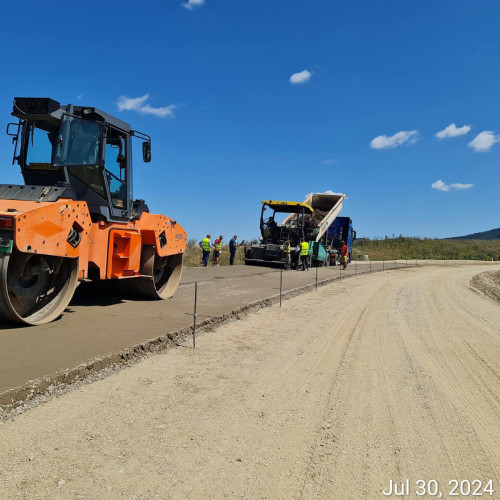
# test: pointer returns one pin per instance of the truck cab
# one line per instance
(340, 230)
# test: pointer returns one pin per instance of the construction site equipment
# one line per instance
(75, 218)
(304, 221)
(340, 230)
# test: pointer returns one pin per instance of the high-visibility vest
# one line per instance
(305, 248)
(218, 245)
(286, 247)
(205, 244)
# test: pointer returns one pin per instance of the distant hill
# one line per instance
(492, 234)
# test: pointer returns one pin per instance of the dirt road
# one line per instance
(392, 376)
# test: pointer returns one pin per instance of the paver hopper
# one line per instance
(304, 221)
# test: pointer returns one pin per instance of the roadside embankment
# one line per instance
(488, 283)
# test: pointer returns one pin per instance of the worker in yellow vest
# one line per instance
(287, 250)
(304, 255)
(206, 246)
(217, 250)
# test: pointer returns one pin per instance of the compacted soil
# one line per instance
(387, 377)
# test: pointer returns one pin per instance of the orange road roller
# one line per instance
(75, 219)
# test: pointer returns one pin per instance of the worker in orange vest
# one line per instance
(344, 252)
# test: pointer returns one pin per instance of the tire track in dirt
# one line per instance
(438, 411)
(336, 432)
(377, 378)
(444, 320)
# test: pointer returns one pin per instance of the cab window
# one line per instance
(40, 144)
(115, 162)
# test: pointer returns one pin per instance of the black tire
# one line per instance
(35, 289)
(161, 275)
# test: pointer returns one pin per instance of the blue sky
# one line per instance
(248, 100)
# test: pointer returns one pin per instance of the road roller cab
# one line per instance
(75, 218)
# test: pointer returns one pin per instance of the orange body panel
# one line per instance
(44, 227)
(113, 247)
(124, 253)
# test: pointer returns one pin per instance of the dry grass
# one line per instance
(192, 257)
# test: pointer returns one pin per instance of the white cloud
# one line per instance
(140, 105)
(453, 131)
(329, 162)
(301, 77)
(165, 111)
(398, 139)
(126, 103)
(442, 186)
(329, 191)
(192, 4)
(484, 141)
(79, 97)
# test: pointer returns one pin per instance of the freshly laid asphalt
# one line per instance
(100, 322)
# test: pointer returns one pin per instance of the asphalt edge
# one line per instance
(14, 401)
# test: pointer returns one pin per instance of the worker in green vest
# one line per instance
(304, 255)
(287, 250)
(206, 246)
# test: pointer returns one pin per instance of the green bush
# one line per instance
(402, 247)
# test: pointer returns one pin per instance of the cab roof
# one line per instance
(289, 207)
(44, 108)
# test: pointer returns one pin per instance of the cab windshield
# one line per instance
(78, 142)
(78, 148)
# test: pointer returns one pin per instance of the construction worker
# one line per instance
(233, 245)
(217, 250)
(287, 250)
(344, 254)
(304, 255)
(206, 246)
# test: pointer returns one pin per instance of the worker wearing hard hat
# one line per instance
(206, 246)
(304, 255)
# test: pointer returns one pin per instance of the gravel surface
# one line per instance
(392, 376)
